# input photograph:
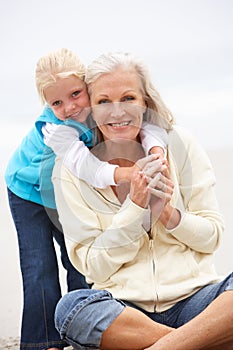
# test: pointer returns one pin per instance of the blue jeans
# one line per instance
(39, 267)
(187, 309)
(82, 316)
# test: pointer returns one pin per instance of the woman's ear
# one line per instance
(145, 113)
(145, 106)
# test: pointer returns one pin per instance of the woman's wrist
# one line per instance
(170, 217)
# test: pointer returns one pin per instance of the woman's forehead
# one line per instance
(118, 79)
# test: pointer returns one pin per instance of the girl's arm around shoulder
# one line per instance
(154, 139)
(65, 143)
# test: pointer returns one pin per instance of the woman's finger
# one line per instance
(159, 180)
(159, 193)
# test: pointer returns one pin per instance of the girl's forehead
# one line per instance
(67, 82)
(62, 86)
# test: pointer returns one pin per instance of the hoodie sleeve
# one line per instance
(201, 224)
(99, 239)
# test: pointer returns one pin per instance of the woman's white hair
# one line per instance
(157, 112)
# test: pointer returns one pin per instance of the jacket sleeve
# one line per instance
(152, 135)
(96, 247)
(201, 224)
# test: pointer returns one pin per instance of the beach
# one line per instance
(11, 290)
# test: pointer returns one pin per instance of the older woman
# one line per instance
(146, 246)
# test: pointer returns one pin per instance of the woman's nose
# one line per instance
(117, 109)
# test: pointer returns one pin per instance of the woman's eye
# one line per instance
(100, 102)
(128, 98)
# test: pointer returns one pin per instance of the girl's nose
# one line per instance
(69, 107)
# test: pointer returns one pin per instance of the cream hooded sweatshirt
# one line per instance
(107, 241)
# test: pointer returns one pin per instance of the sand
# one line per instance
(11, 293)
(10, 343)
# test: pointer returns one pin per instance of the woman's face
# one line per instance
(118, 105)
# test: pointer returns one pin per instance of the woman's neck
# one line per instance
(120, 152)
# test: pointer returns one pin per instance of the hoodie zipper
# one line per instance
(151, 245)
(154, 260)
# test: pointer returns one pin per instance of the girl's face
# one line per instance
(118, 105)
(68, 98)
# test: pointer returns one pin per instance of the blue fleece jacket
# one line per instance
(29, 171)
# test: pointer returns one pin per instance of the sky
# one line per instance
(187, 44)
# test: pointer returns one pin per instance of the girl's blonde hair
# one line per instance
(57, 64)
(157, 112)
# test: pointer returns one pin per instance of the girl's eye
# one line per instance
(56, 103)
(76, 93)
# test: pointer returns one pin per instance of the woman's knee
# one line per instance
(83, 315)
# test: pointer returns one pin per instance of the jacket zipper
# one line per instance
(151, 245)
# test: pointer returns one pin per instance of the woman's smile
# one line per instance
(120, 124)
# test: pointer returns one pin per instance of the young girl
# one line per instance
(60, 83)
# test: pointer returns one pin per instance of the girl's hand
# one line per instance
(150, 165)
(147, 178)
